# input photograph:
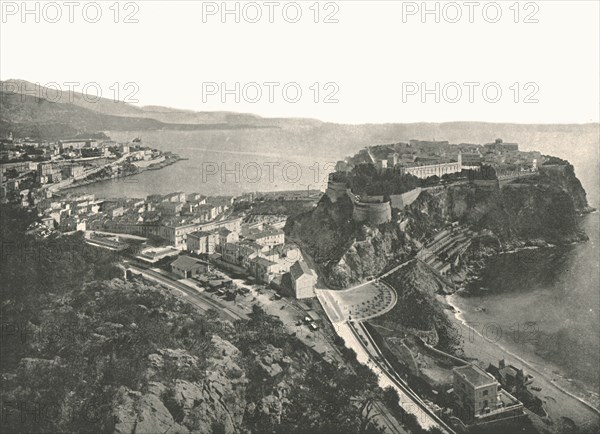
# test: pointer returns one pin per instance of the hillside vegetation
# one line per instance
(94, 353)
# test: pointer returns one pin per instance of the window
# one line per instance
(485, 393)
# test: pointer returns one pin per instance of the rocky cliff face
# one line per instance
(370, 252)
(215, 399)
(347, 251)
(325, 231)
(563, 176)
(542, 208)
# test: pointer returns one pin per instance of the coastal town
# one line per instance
(32, 170)
(425, 159)
(232, 253)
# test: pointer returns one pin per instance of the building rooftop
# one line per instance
(507, 399)
(275, 251)
(187, 263)
(509, 370)
(199, 234)
(251, 244)
(268, 232)
(299, 268)
(474, 375)
(264, 262)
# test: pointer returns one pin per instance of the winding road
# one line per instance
(358, 338)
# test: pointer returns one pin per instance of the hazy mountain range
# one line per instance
(67, 114)
(73, 116)
(71, 112)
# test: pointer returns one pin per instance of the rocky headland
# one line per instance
(534, 211)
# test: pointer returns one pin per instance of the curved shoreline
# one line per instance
(157, 166)
(458, 314)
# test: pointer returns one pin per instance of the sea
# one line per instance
(227, 162)
(544, 304)
(541, 304)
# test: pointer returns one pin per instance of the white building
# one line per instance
(303, 280)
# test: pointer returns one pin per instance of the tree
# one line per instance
(390, 397)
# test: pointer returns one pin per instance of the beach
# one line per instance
(480, 345)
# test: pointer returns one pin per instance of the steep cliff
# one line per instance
(563, 176)
(347, 251)
(369, 254)
(543, 208)
(326, 231)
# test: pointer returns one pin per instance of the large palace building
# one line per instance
(440, 169)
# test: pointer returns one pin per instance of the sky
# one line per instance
(360, 62)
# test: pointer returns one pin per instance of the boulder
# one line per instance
(136, 413)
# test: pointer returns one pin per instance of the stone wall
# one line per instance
(399, 201)
(335, 190)
(372, 213)
(486, 183)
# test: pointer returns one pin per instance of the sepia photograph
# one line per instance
(300, 217)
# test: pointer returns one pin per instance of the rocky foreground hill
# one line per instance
(85, 351)
(135, 359)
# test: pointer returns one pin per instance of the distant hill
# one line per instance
(172, 115)
(108, 106)
(103, 105)
(73, 111)
(72, 115)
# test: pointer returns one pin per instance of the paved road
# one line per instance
(409, 400)
(357, 338)
(424, 414)
(336, 314)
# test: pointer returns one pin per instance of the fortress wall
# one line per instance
(372, 213)
(352, 196)
(486, 182)
(335, 190)
(399, 201)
